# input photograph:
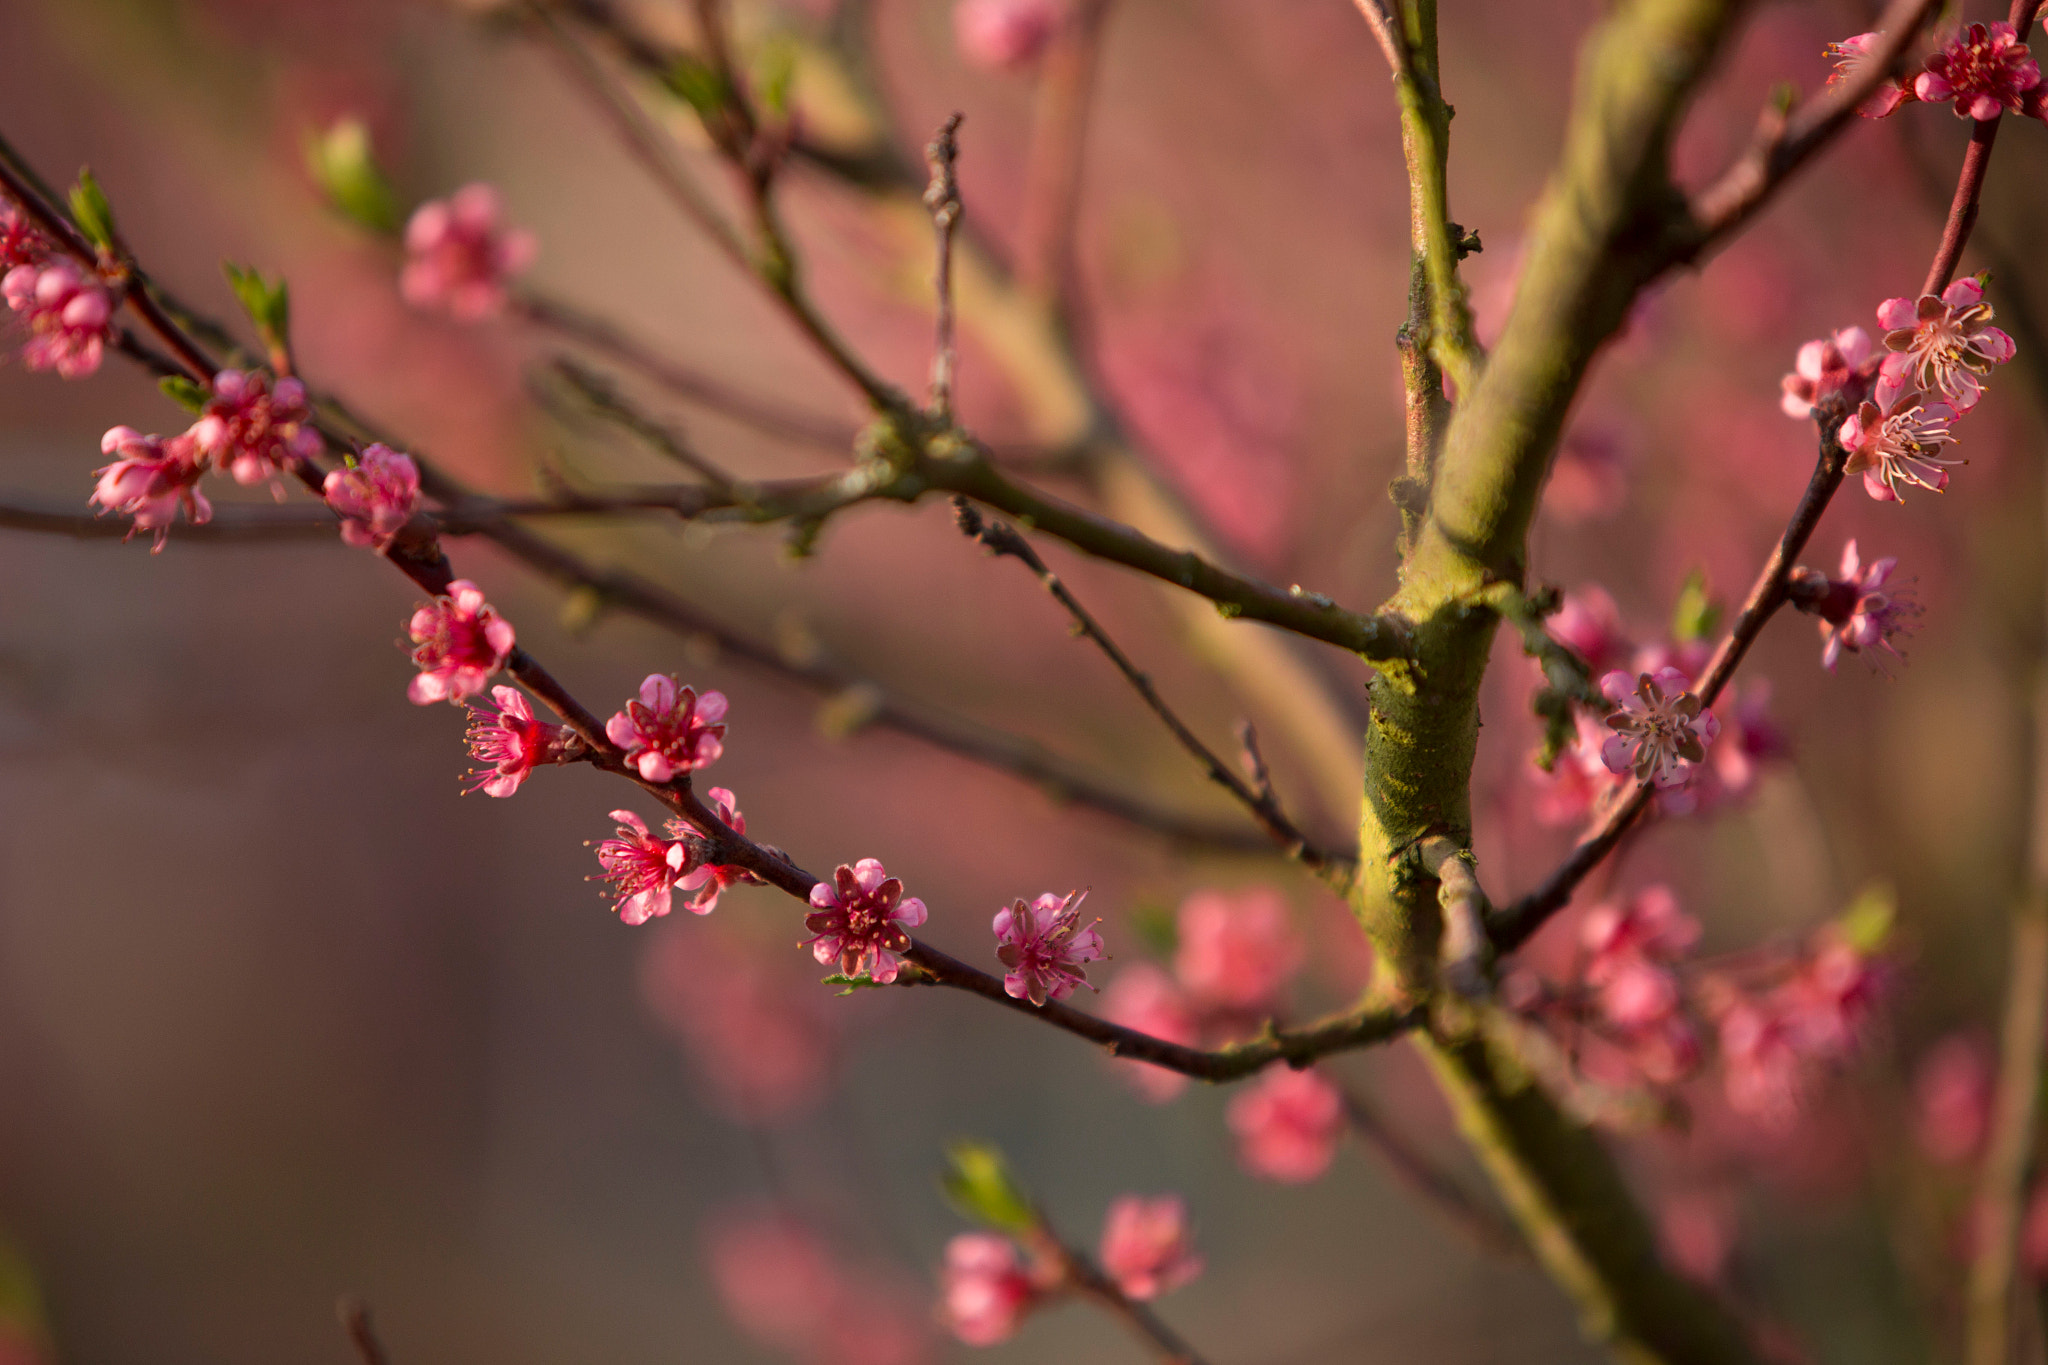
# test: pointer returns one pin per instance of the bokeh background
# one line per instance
(284, 1015)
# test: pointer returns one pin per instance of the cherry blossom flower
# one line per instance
(1649, 925)
(860, 920)
(459, 642)
(1630, 952)
(985, 1289)
(1857, 610)
(1660, 730)
(1146, 1246)
(1044, 944)
(375, 497)
(1236, 951)
(1696, 1233)
(643, 870)
(1832, 992)
(1144, 998)
(670, 729)
(753, 1022)
(459, 257)
(1760, 1062)
(1896, 437)
(511, 742)
(1843, 363)
(21, 241)
(1986, 70)
(65, 313)
(1952, 1099)
(253, 429)
(1851, 53)
(1945, 343)
(154, 477)
(1287, 1125)
(779, 1281)
(1004, 35)
(711, 880)
(1588, 623)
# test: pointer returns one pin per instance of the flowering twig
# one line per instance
(942, 197)
(1079, 1271)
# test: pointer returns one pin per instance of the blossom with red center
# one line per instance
(1850, 54)
(1146, 999)
(1589, 624)
(1044, 944)
(1147, 1247)
(153, 479)
(375, 496)
(643, 870)
(511, 742)
(459, 257)
(860, 920)
(65, 313)
(1004, 35)
(253, 429)
(1952, 1099)
(1860, 610)
(1236, 951)
(1945, 344)
(670, 729)
(711, 880)
(1287, 1125)
(1844, 363)
(985, 1289)
(459, 642)
(21, 241)
(1660, 731)
(1986, 70)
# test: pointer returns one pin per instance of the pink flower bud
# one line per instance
(985, 1289)
(1146, 1246)
(1004, 35)
(459, 643)
(375, 497)
(459, 257)
(65, 313)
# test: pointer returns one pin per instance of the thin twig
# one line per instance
(598, 394)
(362, 1333)
(942, 198)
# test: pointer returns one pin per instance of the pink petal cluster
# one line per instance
(1770, 1038)
(1145, 998)
(1004, 35)
(21, 241)
(751, 1019)
(154, 477)
(643, 870)
(1660, 732)
(783, 1286)
(1850, 54)
(1632, 951)
(510, 742)
(1986, 70)
(670, 729)
(1895, 439)
(1945, 344)
(860, 920)
(1860, 610)
(1044, 944)
(65, 313)
(458, 643)
(1237, 950)
(1287, 1124)
(459, 257)
(985, 1289)
(1843, 364)
(711, 880)
(375, 496)
(1147, 1248)
(1952, 1090)
(1696, 1233)
(253, 428)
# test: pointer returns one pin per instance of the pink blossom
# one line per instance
(1004, 35)
(778, 1279)
(670, 729)
(711, 880)
(375, 496)
(1146, 999)
(1578, 780)
(1650, 925)
(65, 313)
(511, 742)
(1841, 364)
(1945, 344)
(1749, 737)
(252, 429)
(1630, 951)
(459, 257)
(1589, 624)
(1851, 53)
(1859, 615)
(1236, 951)
(1044, 945)
(985, 1290)
(1831, 994)
(21, 241)
(1146, 1246)
(1287, 1125)
(1985, 70)
(754, 1023)
(1952, 1099)
(154, 477)
(1696, 1232)
(860, 920)
(459, 642)
(1896, 438)
(1760, 1063)
(643, 870)
(1660, 731)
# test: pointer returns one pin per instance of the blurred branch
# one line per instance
(362, 1334)
(1059, 142)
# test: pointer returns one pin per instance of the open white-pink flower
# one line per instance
(670, 729)
(154, 477)
(510, 742)
(1044, 944)
(1895, 439)
(1945, 344)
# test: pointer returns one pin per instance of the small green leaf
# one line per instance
(184, 392)
(268, 304)
(1696, 614)
(775, 73)
(89, 206)
(852, 983)
(698, 85)
(1867, 924)
(978, 1182)
(346, 170)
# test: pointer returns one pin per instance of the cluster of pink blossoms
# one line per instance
(1984, 71)
(65, 311)
(645, 872)
(459, 256)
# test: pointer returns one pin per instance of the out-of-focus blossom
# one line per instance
(1749, 739)
(670, 729)
(1589, 624)
(1147, 1247)
(985, 1290)
(1237, 950)
(1896, 438)
(153, 478)
(1945, 344)
(1843, 362)
(65, 314)
(1859, 610)
(1287, 1125)
(252, 428)
(779, 1281)
(459, 642)
(21, 242)
(375, 497)
(1696, 1231)
(459, 256)
(1829, 997)
(1044, 944)
(1986, 70)
(1760, 1063)
(1660, 732)
(1144, 998)
(1631, 949)
(1952, 1099)
(860, 919)
(1004, 35)
(1578, 781)
(755, 1024)
(643, 870)
(1848, 56)
(511, 742)
(711, 880)
(1650, 925)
